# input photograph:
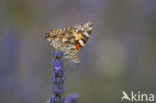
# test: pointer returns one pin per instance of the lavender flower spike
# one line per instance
(57, 79)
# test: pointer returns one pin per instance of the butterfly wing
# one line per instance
(70, 40)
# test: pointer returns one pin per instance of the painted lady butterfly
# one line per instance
(70, 40)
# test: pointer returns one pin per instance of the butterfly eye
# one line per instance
(46, 35)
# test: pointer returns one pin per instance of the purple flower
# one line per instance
(57, 79)
(57, 66)
(72, 98)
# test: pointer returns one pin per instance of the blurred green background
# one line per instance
(120, 54)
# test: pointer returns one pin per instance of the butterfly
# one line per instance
(70, 40)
